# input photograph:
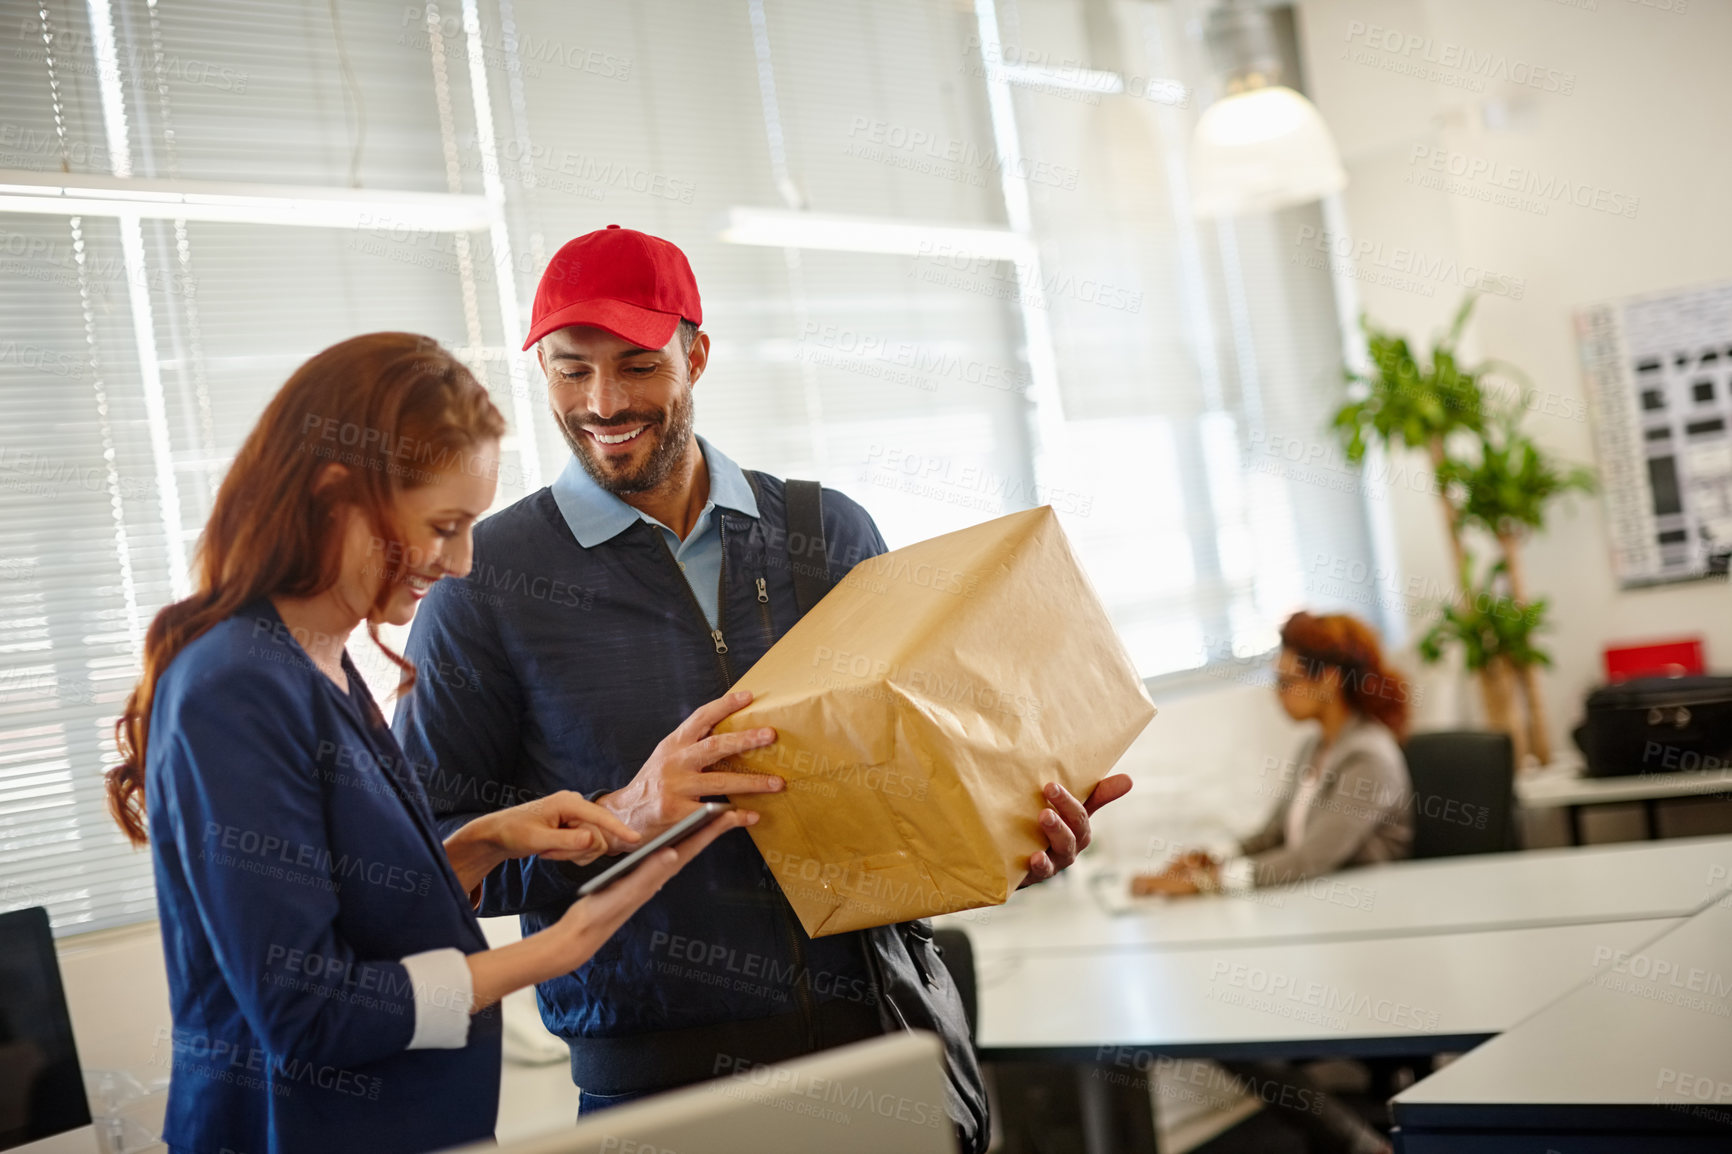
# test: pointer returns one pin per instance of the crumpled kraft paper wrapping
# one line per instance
(920, 707)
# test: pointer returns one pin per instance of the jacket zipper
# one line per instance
(808, 1008)
(715, 633)
(764, 613)
(721, 600)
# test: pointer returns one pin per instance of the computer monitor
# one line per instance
(876, 1097)
(41, 1090)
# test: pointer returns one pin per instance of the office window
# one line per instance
(1139, 370)
(1195, 360)
(852, 368)
(140, 349)
(1188, 360)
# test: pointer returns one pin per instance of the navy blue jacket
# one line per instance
(552, 666)
(296, 862)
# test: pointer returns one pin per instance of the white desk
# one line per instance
(1447, 954)
(1352, 998)
(1558, 887)
(1561, 787)
(1623, 1054)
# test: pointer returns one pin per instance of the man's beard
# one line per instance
(675, 428)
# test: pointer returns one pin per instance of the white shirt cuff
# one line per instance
(1238, 875)
(1222, 849)
(444, 990)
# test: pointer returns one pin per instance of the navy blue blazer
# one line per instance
(296, 862)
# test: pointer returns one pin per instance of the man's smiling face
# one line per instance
(625, 411)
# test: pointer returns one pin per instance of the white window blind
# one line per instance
(1185, 355)
(129, 378)
(82, 565)
(838, 366)
(1205, 355)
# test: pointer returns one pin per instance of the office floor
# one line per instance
(1252, 1130)
(1198, 1108)
(1195, 1101)
(535, 1100)
(1233, 1123)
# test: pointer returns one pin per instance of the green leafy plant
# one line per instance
(1486, 625)
(1406, 403)
(1493, 479)
(1506, 489)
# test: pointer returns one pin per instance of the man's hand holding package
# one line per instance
(677, 777)
(1067, 826)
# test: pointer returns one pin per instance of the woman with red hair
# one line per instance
(1345, 798)
(330, 985)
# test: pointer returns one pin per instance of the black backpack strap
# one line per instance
(808, 555)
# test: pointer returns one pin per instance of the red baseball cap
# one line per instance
(636, 286)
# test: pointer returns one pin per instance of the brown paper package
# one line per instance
(920, 707)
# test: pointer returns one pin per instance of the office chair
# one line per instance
(1463, 792)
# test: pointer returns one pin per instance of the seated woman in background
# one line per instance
(1346, 797)
(1346, 800)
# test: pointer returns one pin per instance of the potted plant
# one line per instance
(1503, 493)
(1493, 482)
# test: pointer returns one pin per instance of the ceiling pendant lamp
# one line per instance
(1261, 146)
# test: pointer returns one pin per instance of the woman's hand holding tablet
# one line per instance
(575, 937)
(664, 801)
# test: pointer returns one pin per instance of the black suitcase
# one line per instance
(1657, 725)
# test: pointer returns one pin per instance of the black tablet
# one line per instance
(673, 834)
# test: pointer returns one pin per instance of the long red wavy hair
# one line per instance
(395, 409)
(1346, 643)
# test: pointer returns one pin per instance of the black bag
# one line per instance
(1657, 725)
(916, 992)
(915, 989)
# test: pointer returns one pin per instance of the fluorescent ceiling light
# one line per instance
(1076, 79)
(59, 194)
(787, 228)
(1088, 80)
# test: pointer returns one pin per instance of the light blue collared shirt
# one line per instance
(596, 515)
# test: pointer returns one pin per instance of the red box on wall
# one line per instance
(1679, 658)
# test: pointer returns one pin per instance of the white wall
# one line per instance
(1646, 118)
(117, 994)
(1200, 772)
